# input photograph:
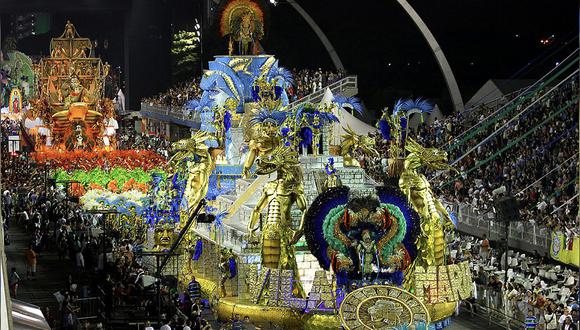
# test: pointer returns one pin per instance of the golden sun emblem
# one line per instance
(381, 307)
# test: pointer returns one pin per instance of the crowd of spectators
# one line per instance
(307, 81)
(524, 168)
(177, 95)
(540, 169)
(128, 139)
(535, 289)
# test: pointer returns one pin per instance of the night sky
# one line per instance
(376, 40)
(482, 39)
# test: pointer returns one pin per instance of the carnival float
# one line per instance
(266, 204)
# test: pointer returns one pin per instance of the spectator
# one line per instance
(531, 321)
(14, 280)
(550, 319)
(484, 249)
(30, 263)
(568, 324)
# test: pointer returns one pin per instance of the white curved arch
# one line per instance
(441, 59)
(327, 45)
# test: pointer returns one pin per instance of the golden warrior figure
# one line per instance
(434, 217)
(278, 237)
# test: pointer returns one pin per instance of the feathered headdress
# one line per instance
(233, 14)
(275, 118)
(308, 112)
(282, 75)
(348, 102)
(410, 106)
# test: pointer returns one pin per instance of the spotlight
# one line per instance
(274, 2)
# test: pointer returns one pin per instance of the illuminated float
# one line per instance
(303, 239)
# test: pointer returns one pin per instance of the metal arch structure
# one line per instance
(327, 45)
(438, 52)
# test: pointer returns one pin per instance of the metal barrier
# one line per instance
(339, 86)
(88, 308)
(497, 309)
(522, 234)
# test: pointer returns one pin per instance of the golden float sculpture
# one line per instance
(70, 103)
(431, 242)
(278, 196)
(351, 142)
(199, 160)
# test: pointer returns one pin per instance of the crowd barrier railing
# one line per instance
(90, 308)
(531, 236)
(498, 309)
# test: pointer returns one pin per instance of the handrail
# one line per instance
(492, 302)
(533, 234)
(339, 85)
(518, 100)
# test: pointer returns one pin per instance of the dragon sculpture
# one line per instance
(351, 142)
(277, 236)
(197, 159)
(434, 218)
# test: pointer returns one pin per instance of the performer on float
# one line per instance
(111, 125)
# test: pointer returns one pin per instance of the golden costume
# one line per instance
(279, 195)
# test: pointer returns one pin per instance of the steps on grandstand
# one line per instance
(51, 273)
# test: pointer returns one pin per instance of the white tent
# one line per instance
(345, 120)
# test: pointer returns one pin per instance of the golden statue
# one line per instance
(434, 217)
(263, 139)
(243, 22)
(75, 92)
(332, 180)
(352, 142)
(278, 237)
(199, 161)
(164, 236)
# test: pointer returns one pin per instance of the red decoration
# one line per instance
(88, 160)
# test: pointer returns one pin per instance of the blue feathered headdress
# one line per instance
(410, 106)
(282, 74)
(348, 102)
(384, 128)
(308, 112)
(203, 104)
(275, 117)
(330, 166)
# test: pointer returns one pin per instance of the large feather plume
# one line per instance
(352, 102)
(410, 106)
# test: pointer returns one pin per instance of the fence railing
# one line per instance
(498, 309)
(178, 112)
(485, 221)
(90, 308)
(339, 86)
